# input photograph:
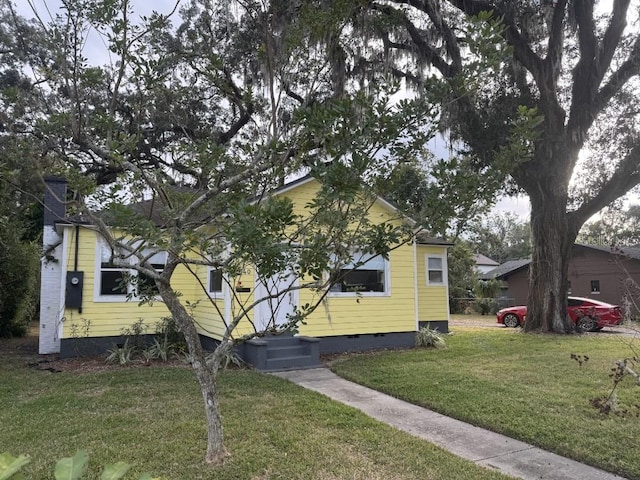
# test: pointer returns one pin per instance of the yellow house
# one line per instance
(83, 310)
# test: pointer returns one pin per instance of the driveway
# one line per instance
(489, 321)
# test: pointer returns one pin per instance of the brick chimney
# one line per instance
(55, 195)
(52, 268)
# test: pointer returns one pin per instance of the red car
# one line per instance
(587, 314)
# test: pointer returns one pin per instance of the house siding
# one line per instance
(433, 304)
(362, 321)
(364, 314)
(518, 286)
(207, 312)
(615, 274)
(106, 319)
(369, 314)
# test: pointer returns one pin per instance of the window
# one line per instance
(368, 278)
(436, 271)
(215, 282)
(147, 285)
(113, 279)
(114, 283)
(595, 286)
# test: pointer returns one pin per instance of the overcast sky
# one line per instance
(141, 7)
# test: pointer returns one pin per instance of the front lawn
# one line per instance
(152, 417)
(524, 386)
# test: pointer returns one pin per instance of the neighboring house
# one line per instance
(484, 264)
(597, 272)
(83, 311)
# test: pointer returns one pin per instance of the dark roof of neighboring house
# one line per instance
(630, 252)
(506, 268)
(484, 260)
(513, 265)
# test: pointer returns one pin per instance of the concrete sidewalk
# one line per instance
(481, 446)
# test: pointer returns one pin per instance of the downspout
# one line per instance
(415, 284)
(75, 263)
(77, 247)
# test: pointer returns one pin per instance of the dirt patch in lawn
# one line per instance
(24, 351)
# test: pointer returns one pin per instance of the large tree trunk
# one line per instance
(546, 180)
(206, 375)
(551, 242)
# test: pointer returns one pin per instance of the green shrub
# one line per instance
(122, 354)
(486, 306)
(483, 305)
(135, 333)
(168, 327)
(430, 338)
(168, 342)
(228, 358)
(19, 275)
(161, 349)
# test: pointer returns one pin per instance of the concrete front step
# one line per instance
(273, 353)
(287, 351)
(291, 363)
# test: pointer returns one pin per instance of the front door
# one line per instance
(276, 310)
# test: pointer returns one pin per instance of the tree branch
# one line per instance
(556, 44)
(626, 176)
(433, 10)
(612, 36)
(629, 69)
(424, 49)
(513, 36)
(595, 61)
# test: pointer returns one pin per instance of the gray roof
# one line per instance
(484, 260)
(423, 238)
(512, 265)
(506, 268)
(630, 252)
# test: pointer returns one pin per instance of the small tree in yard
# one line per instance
(180, 139)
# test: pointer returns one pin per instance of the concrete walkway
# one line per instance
(481, 446)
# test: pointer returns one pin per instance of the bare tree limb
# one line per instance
(595, 60)
(626, 176)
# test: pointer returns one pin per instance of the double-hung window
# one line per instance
(113, 278)
(366, 275)
(115, 281)
(436, 272)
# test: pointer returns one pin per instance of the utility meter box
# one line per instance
(73, 298)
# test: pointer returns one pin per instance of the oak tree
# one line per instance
(533, 88)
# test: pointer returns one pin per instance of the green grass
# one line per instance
(524, 386)
(153, 418)
(473, 318)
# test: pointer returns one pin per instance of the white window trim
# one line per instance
(445, 280)
(97, 279)
(387, 286)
